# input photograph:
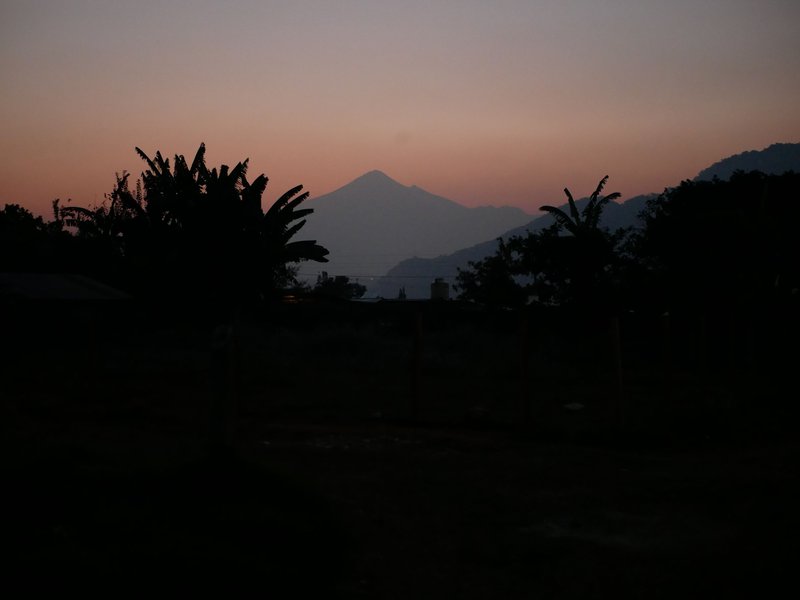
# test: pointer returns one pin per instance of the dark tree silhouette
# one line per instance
(586, 253)
(722, 243)
(188, 231)
(569, 262)
(22, 237)
(492, 281)
(29, 243)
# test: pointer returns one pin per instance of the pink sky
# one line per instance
(485, 103)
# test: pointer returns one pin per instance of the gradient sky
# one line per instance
(502, 102)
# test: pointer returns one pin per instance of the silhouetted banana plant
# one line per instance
(202, 229)
(106, 221)
(220, 219)
(589, 250)
(578, 222)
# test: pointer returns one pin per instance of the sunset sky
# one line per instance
(502, 102)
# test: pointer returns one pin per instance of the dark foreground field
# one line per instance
(356, 470)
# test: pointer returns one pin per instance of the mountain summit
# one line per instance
(374, 222)
(373, 178)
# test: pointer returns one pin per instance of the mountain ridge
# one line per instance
(374, 222)
(772, 160)
(415, 274)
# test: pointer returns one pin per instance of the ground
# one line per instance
(323, 483)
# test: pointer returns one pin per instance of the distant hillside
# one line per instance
(774, 160)
(374, 222)
(416, 274)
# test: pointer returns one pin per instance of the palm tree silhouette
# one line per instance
(588, 250)
(210, 234)
(202, 231)
(587, 221)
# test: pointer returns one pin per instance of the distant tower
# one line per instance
(440, 289)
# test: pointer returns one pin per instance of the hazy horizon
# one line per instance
(501, 104)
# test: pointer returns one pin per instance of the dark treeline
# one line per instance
(702, 246)
(191, 242)
(187, 234)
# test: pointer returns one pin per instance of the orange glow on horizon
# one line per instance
(480, 104)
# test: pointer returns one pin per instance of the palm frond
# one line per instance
(145, 158)
(594, 209)
(251, 195)
(238, 172)
(287, 235)
(282, 201)
(199, 160)
(600, 187)
(163, 163)
(596, 203)
(258, 186)
(180, 164)
(296, 214)
(573, 209)
(304, 250)
(562, 219)
(297, 201)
